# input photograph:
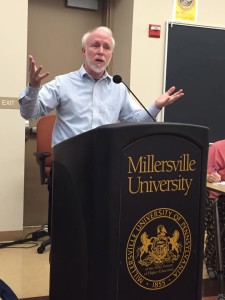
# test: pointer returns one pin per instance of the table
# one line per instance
(216, 188)
(221, 190)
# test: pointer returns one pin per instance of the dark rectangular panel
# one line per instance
(196, 63)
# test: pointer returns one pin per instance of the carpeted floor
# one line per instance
(210, 290)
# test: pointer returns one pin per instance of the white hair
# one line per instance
(103, 28)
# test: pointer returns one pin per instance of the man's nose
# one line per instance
(101, 50)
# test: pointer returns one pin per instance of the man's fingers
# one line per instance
(38, 70)
(44, 75)
(35, 73)
(171, 90)
(177, 95)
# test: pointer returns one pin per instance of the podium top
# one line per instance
(131, 130)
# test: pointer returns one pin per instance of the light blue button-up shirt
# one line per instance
(82, 104)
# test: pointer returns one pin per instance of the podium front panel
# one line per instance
(128, 213)
(159, 219)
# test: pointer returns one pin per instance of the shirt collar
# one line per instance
(83, 73)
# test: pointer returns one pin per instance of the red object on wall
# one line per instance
(154, 30)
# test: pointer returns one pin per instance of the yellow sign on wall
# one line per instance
(185, 10)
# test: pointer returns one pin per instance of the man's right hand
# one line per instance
(34, 71)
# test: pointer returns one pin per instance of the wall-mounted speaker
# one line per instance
(87, 4)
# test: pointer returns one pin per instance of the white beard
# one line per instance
(94, 68)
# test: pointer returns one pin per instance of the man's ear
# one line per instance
(83, 50)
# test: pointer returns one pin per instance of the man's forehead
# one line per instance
(100, 35)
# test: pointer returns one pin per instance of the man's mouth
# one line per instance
(99, 60)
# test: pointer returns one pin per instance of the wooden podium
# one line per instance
(128, 213)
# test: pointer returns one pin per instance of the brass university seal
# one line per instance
(158, 248)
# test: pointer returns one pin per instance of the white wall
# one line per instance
(13, 36)
(146, 54)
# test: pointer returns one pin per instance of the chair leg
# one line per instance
(43, 245)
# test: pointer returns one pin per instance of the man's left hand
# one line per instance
(168, 97)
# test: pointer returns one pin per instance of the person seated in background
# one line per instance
(216, 162)
(215, 173)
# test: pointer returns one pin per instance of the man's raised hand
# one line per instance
(169, 97)
(34, 71)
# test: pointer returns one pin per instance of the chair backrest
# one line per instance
(44, 139)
